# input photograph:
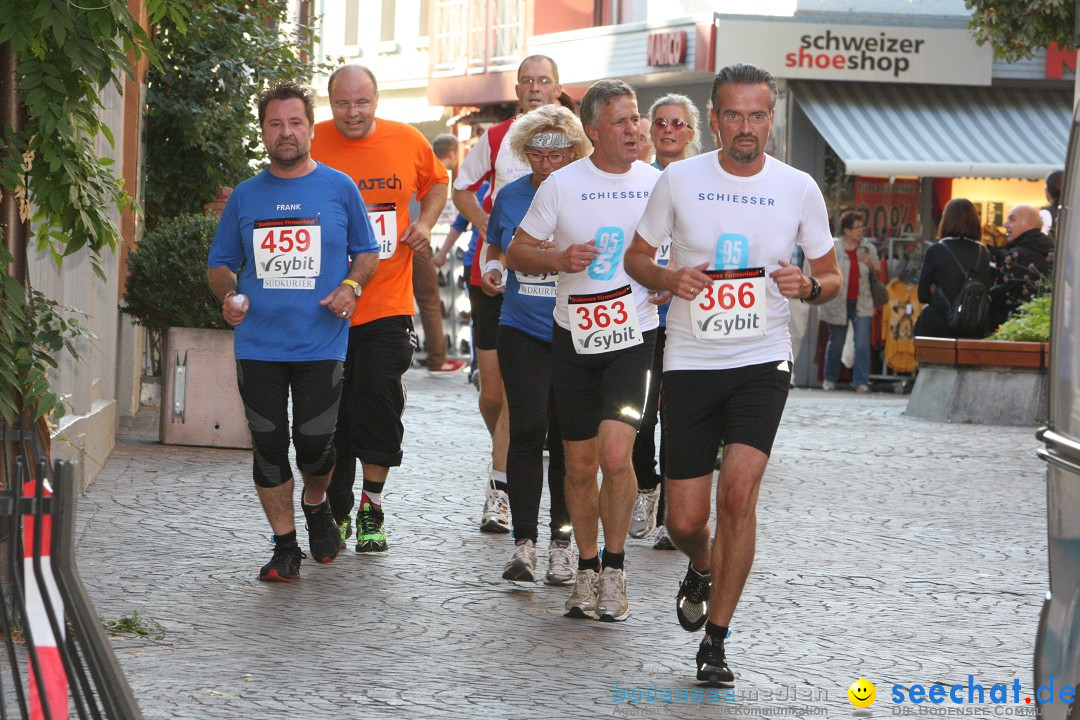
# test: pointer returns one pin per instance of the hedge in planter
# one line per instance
(167, 285)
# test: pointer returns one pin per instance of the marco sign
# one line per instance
(666, 48)
(831, 51)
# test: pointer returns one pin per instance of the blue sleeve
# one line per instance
(460, 223)
(496, 229)
(227, 247)
(361, 234)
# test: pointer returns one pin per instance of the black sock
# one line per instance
(614, 560)
(592, 563)
(716, 632)
(287, 540)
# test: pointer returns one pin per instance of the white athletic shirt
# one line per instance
(477, 164)
(733, 222)
(579, 203)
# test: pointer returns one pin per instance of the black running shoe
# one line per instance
(284, 566)
(692, 602)
(324, 535)
(712, 667)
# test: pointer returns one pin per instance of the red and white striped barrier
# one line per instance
(50, 665)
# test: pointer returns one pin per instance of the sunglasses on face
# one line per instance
(676, 123)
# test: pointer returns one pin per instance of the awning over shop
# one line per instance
(938, 131)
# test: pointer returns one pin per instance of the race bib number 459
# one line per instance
(732, 305)
(287, 248)
(604, 322)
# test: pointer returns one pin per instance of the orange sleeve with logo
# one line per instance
(389, 166)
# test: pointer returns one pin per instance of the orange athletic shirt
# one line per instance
(388, 166)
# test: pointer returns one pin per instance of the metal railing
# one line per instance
(63, 659)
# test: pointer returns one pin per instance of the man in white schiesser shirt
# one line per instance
(733, 217)
(603, 335)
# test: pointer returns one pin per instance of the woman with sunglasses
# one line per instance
(548, 138)
(675, 122)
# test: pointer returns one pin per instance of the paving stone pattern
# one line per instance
(889, 548)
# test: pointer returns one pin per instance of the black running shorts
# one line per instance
(485, 317)
(701, 408)
(605, 386)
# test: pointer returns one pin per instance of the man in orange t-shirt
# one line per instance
(389, 161)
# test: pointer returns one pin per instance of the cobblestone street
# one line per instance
(889, 548)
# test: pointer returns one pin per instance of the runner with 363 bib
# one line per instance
(603, 335)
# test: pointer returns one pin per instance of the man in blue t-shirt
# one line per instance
(280, 264)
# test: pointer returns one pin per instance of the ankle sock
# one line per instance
(613, 560)
(286, 540)
(592, 563)
(373, 492)
(498, 479)
(716, 632)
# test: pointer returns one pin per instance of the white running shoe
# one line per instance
(611, 604)
(496, 516)
(562, 563)
(643, 519)
(663, 540)
(582, 600)
(521, 566)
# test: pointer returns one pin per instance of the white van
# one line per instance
(1057, 648)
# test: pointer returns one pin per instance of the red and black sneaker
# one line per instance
(284, 566)
(324, 535)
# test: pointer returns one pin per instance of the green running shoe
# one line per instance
(370, 530)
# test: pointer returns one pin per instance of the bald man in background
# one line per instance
(1023, 265)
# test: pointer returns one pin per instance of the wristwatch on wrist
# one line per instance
(815, 290)
(354, 285)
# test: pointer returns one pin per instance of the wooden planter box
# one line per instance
(995, 382)
(992, 353)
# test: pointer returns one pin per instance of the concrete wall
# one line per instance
(109, 364)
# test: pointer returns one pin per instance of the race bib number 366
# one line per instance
(731, 306)
(604, 322)
(287, 248)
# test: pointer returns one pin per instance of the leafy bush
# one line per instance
(1030, 322)
(167, 285)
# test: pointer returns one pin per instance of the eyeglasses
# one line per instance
(541, 81)
(346, 106)
(737, 119)
(538, 156)
(676, 123)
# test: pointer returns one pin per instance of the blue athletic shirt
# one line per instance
(529, 301)
(276, 219)
(461, 224)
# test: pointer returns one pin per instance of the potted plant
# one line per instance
(191, 345)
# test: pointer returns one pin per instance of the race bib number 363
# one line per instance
(604, 322)
(731, 306)
(287, 248)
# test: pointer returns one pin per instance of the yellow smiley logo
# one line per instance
(862, 693)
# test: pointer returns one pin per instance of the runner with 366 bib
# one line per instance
(603, 335)
(734, 218)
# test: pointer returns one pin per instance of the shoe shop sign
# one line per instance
(865, 53)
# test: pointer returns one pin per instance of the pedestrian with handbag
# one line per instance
(858, 261)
